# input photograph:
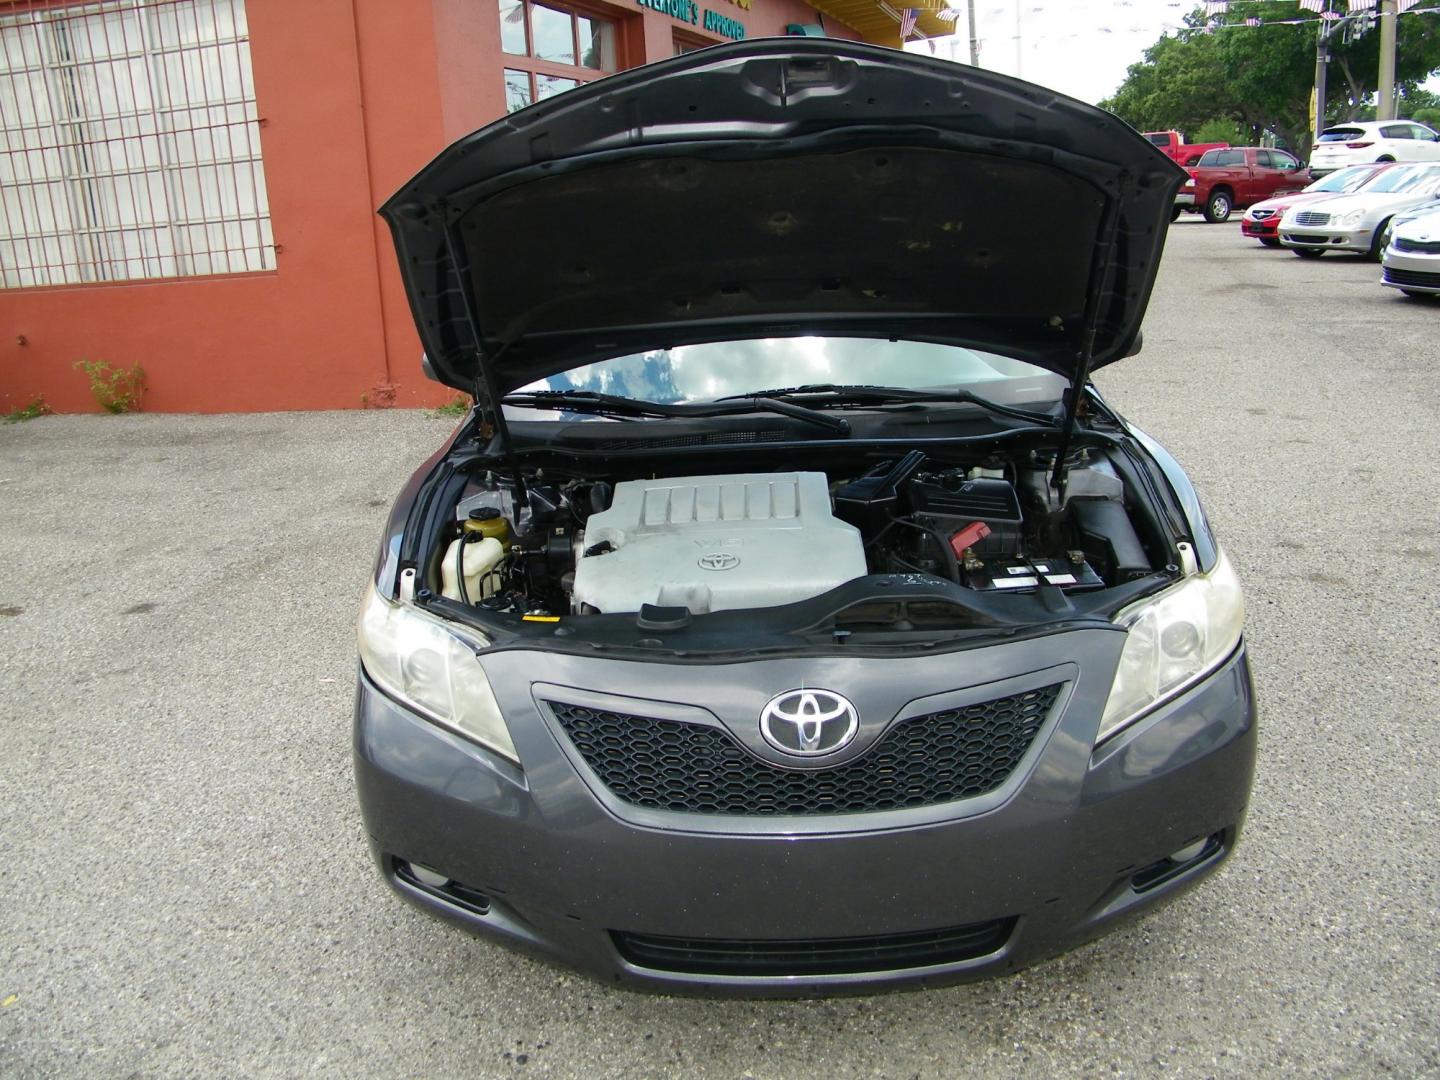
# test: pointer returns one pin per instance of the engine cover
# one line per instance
(716, 543)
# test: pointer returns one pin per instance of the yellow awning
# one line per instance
(878, 22)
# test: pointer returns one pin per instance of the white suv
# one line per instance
(1373, 140)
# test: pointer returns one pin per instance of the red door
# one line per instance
(1275, 172)
(1231, 171)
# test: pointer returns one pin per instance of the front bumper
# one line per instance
(1327, 239)
(1412, 271)
(1264, 229)
(1074, 842)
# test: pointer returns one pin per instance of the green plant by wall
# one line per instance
(118, 390)
(457, 406)
(29, 412)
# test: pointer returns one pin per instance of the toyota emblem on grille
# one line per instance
(808, 722)
(719, 560)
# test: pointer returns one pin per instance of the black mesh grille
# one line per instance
(819, 956)
(692, 768)
(1416, 278)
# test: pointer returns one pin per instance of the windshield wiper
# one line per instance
(828, 395)
(587, 401)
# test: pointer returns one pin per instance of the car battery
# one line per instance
(1013, 574)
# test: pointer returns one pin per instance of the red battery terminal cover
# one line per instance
(968, 537)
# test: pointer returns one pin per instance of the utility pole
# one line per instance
(974, 37)
(1019, 56)
(1322, 64)
(1385, 99)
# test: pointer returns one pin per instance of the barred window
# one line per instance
(129, 143)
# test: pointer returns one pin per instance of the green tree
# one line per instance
(1222, 130)
(1262, 78)
(1419, 105)
(1179, 84)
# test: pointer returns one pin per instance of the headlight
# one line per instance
(419, 660)
(1352, 218)
(1190, 182)
(1175, 639)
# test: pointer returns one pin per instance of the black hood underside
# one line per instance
(784, 187)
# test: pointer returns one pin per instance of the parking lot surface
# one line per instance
(186, 889)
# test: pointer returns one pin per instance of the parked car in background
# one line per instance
(1411, 261)
(1359, 222)
(1262, 221)
(1236, 177)
(1173, 145)
(1373, 140)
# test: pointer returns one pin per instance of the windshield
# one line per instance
(1415, 179)
(1346, 179)
(1340, 134)
(689, 373)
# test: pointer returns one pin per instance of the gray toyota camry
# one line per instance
(790, 613)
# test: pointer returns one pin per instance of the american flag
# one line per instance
(1252, 21)
(947, 14)
(1217, 7)
(1362, 5)
(1403, 6)
(907, 22)
(1316, 6)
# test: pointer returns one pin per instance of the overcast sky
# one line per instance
(1079, 47)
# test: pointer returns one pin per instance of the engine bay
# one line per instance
(739, 541)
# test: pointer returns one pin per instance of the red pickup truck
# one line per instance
(1173, 145)
(1233, 178)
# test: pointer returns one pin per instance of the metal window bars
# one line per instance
(129, 143)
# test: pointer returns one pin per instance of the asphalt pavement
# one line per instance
(185, 888)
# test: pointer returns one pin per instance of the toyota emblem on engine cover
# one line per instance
(808, 722)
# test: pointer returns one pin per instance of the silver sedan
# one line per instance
(1360, 221)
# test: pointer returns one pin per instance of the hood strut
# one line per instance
(1102, 275)
(485, 390)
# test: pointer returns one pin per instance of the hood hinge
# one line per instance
(490, 422)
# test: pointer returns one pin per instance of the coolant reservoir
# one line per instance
(481, 557)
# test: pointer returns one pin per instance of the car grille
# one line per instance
(818, 956)
(1411, 278)
(698, 769)
(1312, 217)
(1261, 215)
(1419, 247)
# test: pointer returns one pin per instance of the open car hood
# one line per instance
(779, 187)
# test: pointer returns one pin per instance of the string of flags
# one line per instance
(1326, 9)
